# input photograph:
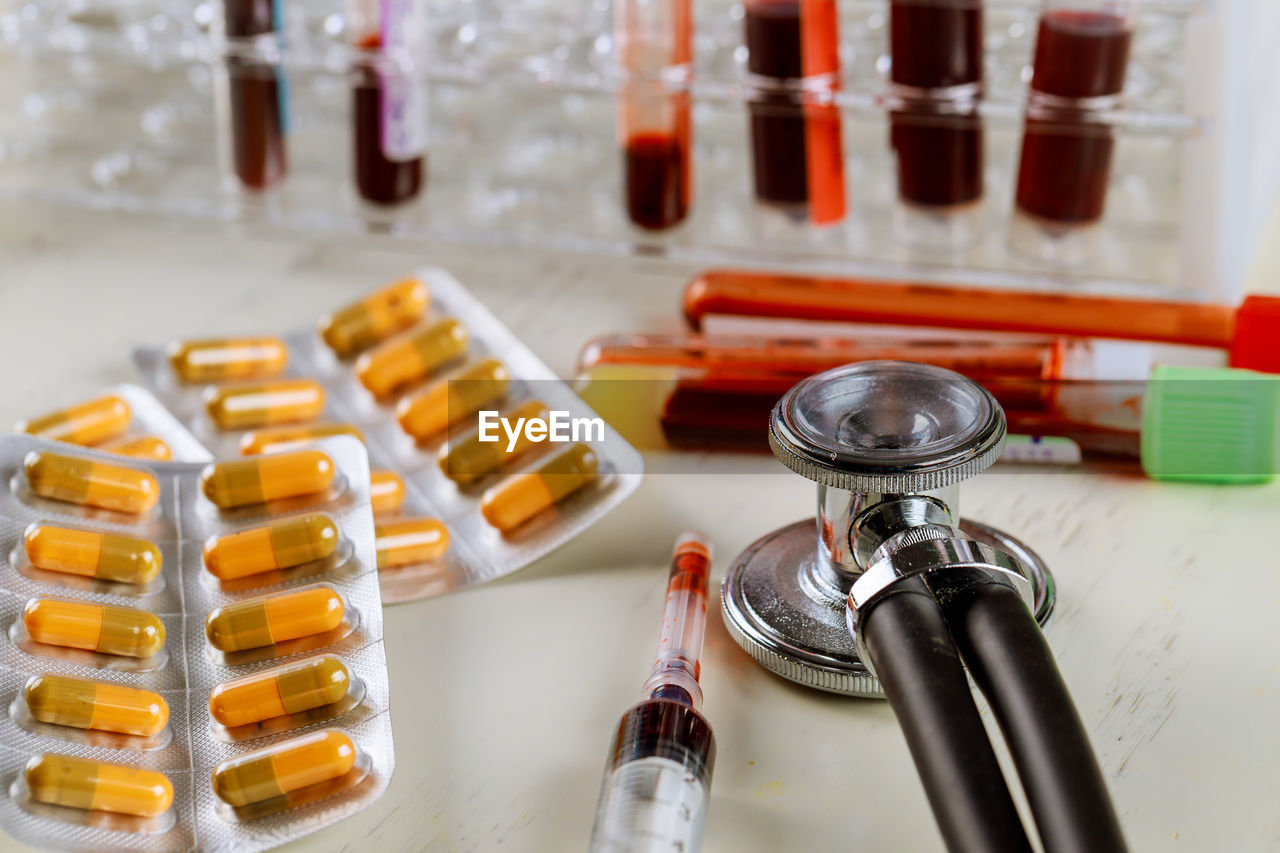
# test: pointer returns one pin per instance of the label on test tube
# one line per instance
(404, 102)
(1042, 449)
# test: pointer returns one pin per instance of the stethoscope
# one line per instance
(899, 597)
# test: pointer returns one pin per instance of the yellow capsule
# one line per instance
(470, 459)
(281, 769)
(375, 318)
(448, 401)
(88, 482)
(288, 689)
(284, 401)
(272, 477)
(101, 628)
(386, 491)
(80, 783)
(219, 359)
(275, 439)
(92, 554)
(399, 363)
(83, 704)
(151, 447)
(413, 540)
(90, 423)
(281, 544)
(517, 499)
(271, 619)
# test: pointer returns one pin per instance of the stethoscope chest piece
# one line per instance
(887, 443)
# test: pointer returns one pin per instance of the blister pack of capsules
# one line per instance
(126, 420)
(192, 654)
(411, 369)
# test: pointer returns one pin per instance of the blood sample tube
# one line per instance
(794, 61)
(935, 131)
(292, 437)
(83, 704)
(1081, 56)
(88, 482)
(281, 401)
(80, 783)
(289, 689)
(92, 554)
(90, 423)
(411, 540)
(389, 100)
(279, 770)
(93, 627)
(257, 622)
(217, 360)
(281, 544)
(655, 44)
(517, 499)
(256, 91)
(386, 492)
(272, 477)
(151, 447)
(354, 328)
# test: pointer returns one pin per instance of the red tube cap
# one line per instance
(1256, 343)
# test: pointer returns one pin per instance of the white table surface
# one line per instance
(504, 696)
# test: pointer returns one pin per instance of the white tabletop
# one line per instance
(505, 696)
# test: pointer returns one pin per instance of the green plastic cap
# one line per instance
(1211, 425)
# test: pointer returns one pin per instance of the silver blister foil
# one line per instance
(477, 551)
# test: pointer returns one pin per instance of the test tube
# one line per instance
(793, 56)
(389, 100)
(936, 135)
(654, 42)
(254, 91)
(1081, 57)
(657, 779)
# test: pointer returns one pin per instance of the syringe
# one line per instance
(657, 779)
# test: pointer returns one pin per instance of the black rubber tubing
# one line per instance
(1013, 665)
(919, 666)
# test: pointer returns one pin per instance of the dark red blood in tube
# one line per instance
(257, 101)
(935, 45)
(939, 158)
(379, 179)
(1064, 171)
(1081, 54)
(657, 167)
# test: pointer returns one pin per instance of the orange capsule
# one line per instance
(289, 689)
(92, 554)
(275, 439)
(91, 423)
(410, 541)
(284, 401)
(96, 705)
(399, 363)
(151, 447)
(375, 318)
(281, 769)
(80, 783)
(282, 544)
(470, 458)
(216, 360)
(271, 619)
(93, 627)
(88, 482)
(272, 477)
(386, 491)
(449, 401)
(517, 499)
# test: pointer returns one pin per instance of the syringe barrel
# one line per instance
(657, 781)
